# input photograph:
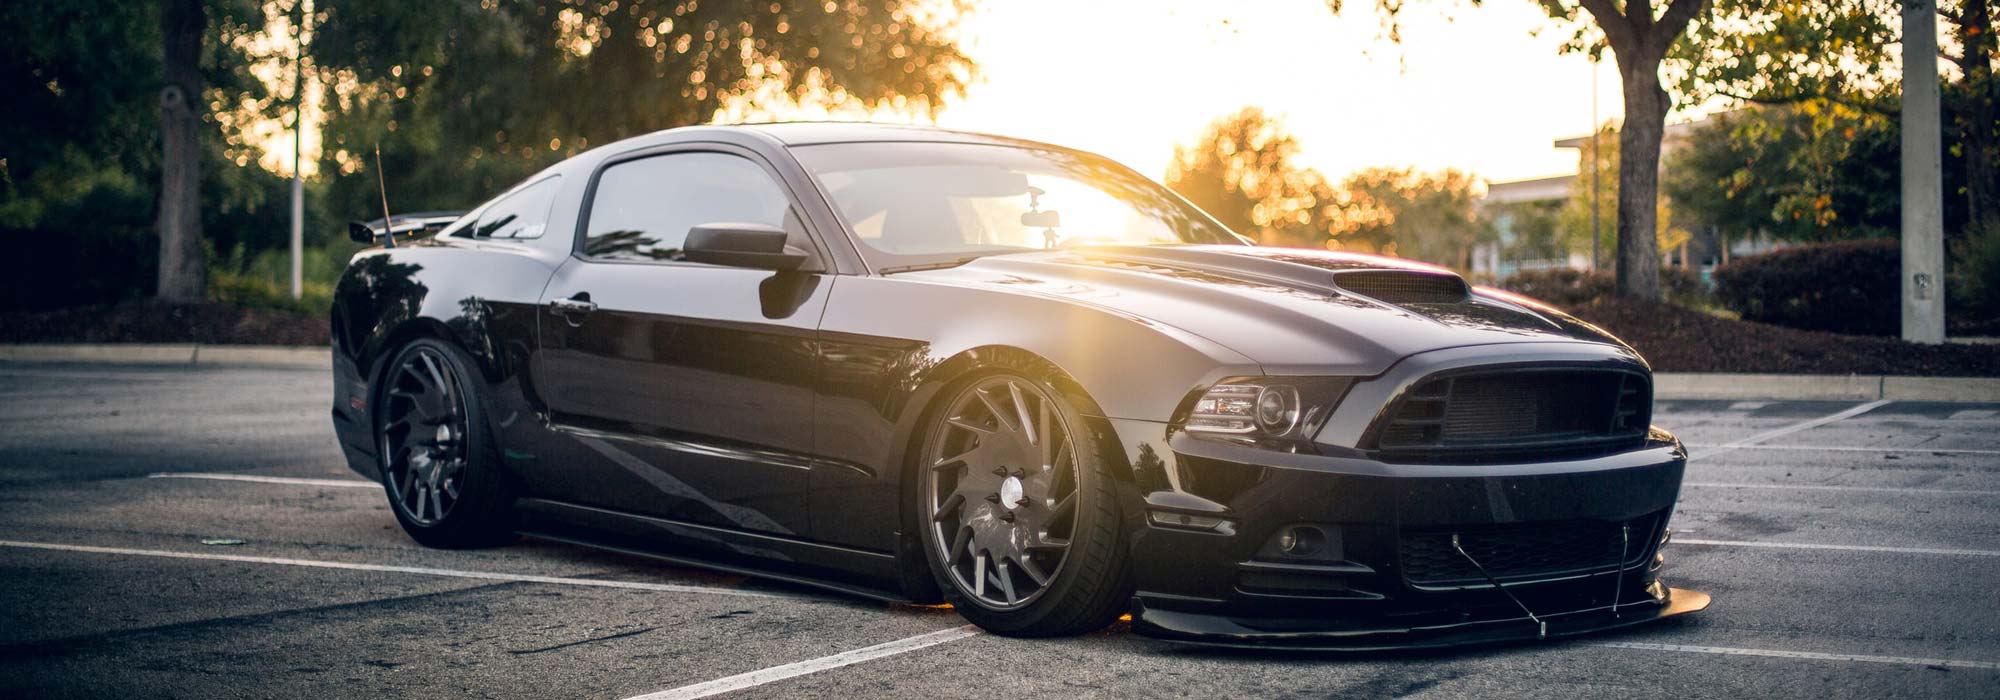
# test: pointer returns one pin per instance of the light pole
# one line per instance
(1923, 182)
(298, 141)
(1593, 163)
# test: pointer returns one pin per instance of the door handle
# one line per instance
(579, 304)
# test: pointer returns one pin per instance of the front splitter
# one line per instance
(1220, 631)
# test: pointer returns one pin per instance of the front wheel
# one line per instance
(1019, 518)
(438, 463)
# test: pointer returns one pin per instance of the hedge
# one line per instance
(1850, 287)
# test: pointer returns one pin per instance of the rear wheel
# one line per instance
(438, 467)
(1018, 515)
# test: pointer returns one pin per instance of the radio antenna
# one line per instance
(388, 231)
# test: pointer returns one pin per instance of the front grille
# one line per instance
(1517, 413)
(1524, 552)
(1404, 286)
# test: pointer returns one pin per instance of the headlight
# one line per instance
(1265, 407)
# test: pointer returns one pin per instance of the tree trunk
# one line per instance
(182, 273)
(1976, 129)
(1646, 103)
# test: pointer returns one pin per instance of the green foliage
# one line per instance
(1432, 217)
(1974, 282)
(1807, 172)
(1569, 287)
(263, 279)
(1573, 223)
(1242, 171)
(1843, 287)
(468, 98)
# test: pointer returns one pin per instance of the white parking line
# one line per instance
(1816, 656)
(451, 573)
(1817, 487)
(1807, 425)
(1830, 448)
(337, 483)
(794, 670)
(1841, 547)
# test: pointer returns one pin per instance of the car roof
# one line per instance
(814, 133)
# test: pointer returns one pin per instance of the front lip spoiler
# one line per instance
(1220, 631)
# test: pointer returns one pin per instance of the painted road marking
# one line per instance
(1816, 656)
(809, 666)
(1817, 487)
(1841, 547)
(1748, 405)
(1829, 448)
(425, 571)
(1807, 425)
(337, 483)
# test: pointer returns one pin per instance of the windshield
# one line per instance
(920, 203)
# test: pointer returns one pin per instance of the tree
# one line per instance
(1242, 171)
(1813, 171)
(1399, 211)
(1639, 36)
(466, 98)
(1574, 223)
(182, 275)
(1845, 52)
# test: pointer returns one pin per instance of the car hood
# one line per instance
(1290, 310)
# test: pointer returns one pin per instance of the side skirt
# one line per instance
(843, 570)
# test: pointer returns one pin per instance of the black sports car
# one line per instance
(933, 366)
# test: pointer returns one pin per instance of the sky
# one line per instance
(1470, 88)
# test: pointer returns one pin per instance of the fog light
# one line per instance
(1188, 522)
(1301, 541)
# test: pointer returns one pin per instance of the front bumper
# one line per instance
(1381, 578)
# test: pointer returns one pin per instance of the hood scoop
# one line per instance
(1404, 286)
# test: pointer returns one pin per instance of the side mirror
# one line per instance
(756, 246)
(360, 232)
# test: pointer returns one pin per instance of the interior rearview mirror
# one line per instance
(756, 246)
(1041, 219)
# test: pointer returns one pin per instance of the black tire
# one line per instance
(993, 561)
(440, 467)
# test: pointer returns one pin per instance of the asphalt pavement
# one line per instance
(193, 532)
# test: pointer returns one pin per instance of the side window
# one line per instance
(643, 208)
(521, 215)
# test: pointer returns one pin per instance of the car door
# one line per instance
(689, 386)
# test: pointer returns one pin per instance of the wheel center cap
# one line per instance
(1010, 492)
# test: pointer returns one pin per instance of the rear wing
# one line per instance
(402, 226)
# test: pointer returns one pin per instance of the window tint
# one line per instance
(520, 215)
(642, 209)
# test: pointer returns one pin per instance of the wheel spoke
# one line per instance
(969, 425)
(950, 505)
(1006, 582)
(1048, 438)
(999, 416)
(1066, 506)
(954, 460)
(958, 543)
(437, 378)
(1021, 411)
(1033, 570)
(979, 575)
(437, 502)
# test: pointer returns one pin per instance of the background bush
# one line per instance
(1847, 287)
(1566, 287)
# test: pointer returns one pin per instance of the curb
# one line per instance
(170, 354)
(1824, 387)
(1666, 385)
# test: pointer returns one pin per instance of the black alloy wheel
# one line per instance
(1017, 519)
(435, 463)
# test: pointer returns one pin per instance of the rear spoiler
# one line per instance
(406, 226)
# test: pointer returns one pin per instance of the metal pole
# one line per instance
(1593, 164)
(1923, 181)
(298, 140)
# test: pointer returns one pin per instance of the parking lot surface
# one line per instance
(193, 532)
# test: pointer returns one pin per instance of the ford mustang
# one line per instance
(931, 366)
